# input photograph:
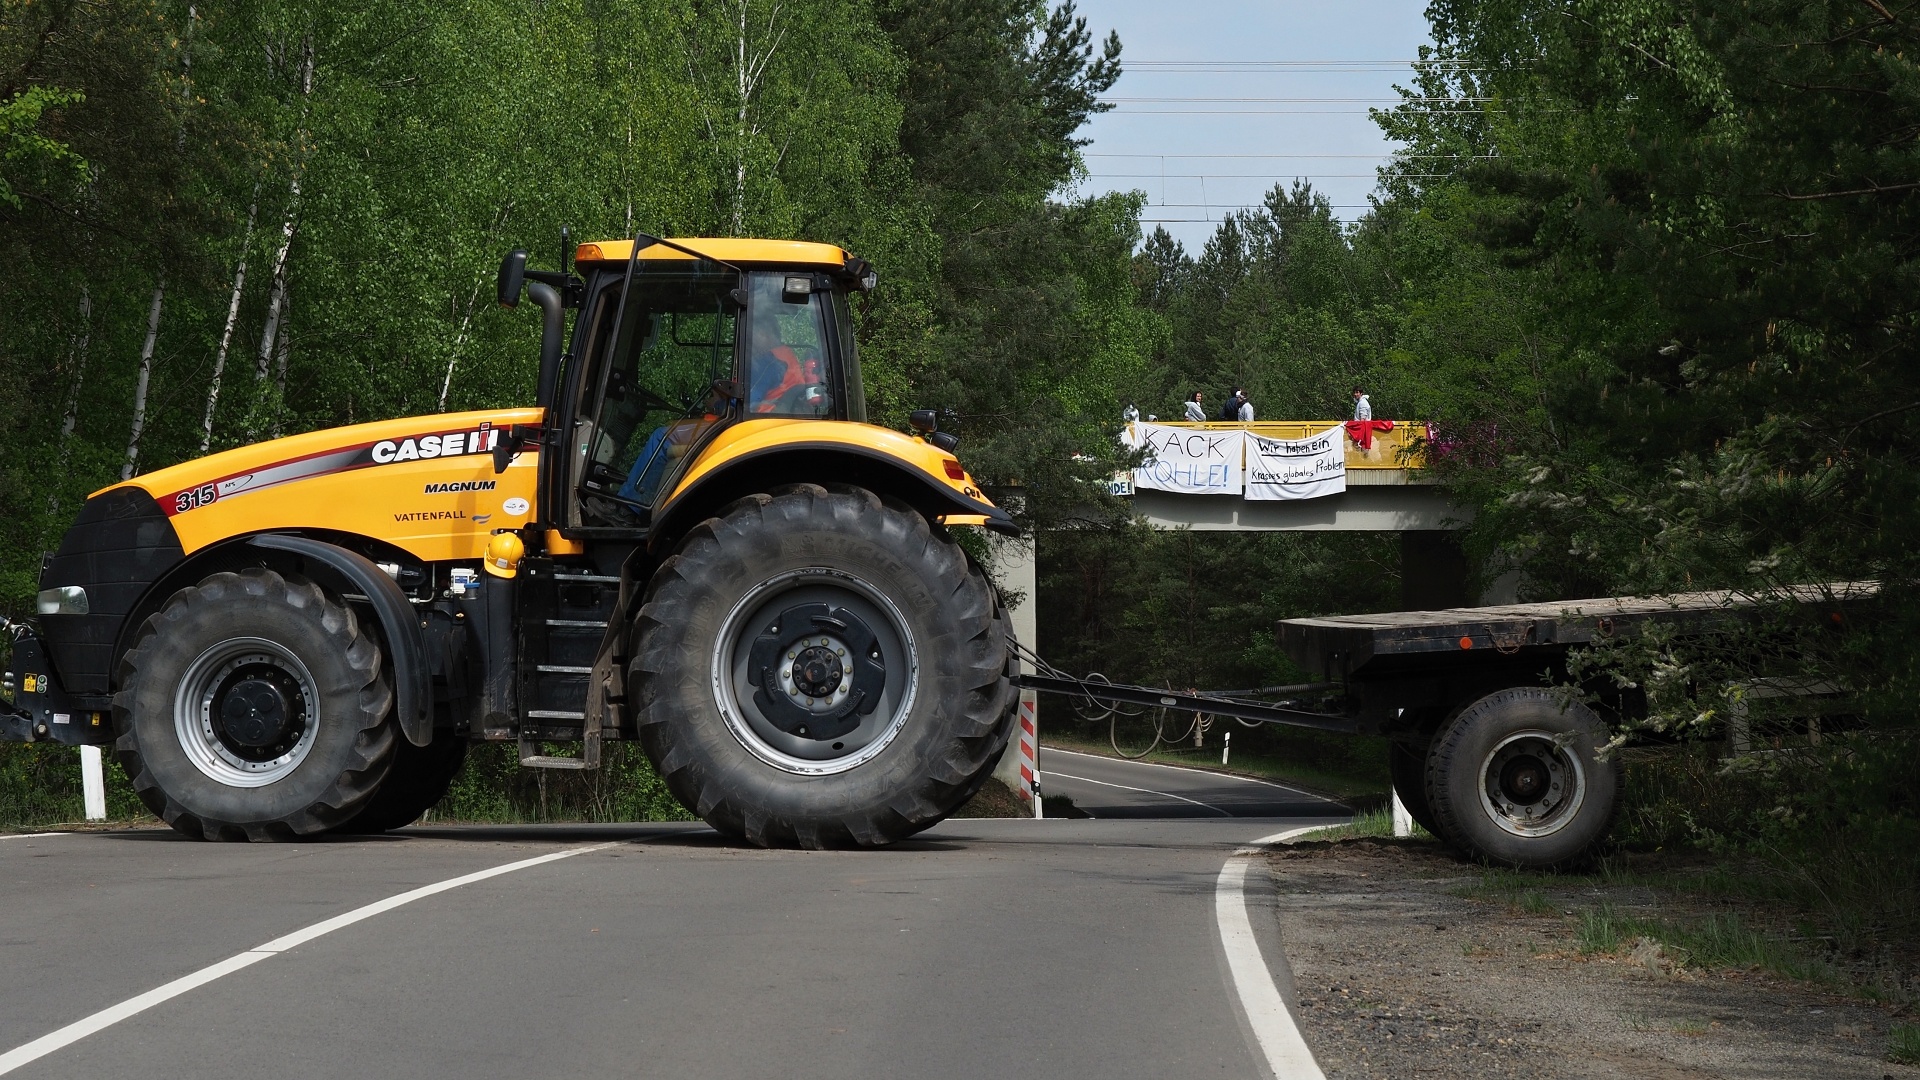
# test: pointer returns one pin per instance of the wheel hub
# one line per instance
(1532, 785)
(246, 712)
(817, 670)
(1524, 779)
(253, 712)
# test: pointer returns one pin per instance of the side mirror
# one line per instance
(924, 421)
(513, 277)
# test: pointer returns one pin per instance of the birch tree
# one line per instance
(233, 319)
(145, 373)
(289, 225)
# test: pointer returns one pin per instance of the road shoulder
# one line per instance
(1400, 973)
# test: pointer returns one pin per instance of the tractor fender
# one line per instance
(812, 463)
(407, 647)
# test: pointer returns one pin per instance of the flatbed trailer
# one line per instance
(1485, 753)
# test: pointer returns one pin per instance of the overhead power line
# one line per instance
(1286, 157)
(1283, 64)
(1304, 100)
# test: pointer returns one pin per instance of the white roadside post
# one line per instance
(1402, 821)
(93, 783)
(1226, 746)
(1029, 739)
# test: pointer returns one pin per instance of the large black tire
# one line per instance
(925, 642)
(1514, 779)
(1407, 765)
(419, 778)
(213, 769)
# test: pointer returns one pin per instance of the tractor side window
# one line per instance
(852, 393)
(787, 348)
(651, 394)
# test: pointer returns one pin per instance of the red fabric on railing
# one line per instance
(1361, 431)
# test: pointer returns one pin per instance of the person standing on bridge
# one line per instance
(1196, 413)
(1245, 413)
(1361, 428)
(1230, 409)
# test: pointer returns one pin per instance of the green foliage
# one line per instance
(1903, 1044)
(493, 787)
(23, 147)
(40, 785)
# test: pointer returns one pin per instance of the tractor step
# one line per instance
(563, 617)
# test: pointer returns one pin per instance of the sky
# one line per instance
(1326, 61)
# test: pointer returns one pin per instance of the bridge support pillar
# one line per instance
(1015, 565)
(1433, 571)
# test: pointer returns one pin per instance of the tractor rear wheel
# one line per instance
(253, 706)
(821, 669)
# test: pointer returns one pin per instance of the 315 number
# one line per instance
(204, 495)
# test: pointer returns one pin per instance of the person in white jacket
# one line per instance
(1195, 411)
(1362, 408)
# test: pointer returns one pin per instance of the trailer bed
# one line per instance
(1342, 645)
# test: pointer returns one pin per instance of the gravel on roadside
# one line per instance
(1398, 973)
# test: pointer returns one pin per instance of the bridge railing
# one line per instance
(1403, 447)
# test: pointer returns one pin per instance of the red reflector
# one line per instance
(954, 471)
(1466, 643)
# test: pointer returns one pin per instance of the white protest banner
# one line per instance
(1297, 468)
(1188, 460)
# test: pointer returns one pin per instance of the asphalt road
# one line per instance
(1060, 949)
(1113, 788)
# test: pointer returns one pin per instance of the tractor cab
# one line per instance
(675, 342)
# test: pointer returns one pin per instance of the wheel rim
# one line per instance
(1532, 785)
(246, 712)
(815, 671)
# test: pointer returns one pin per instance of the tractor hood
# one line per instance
(424, 484)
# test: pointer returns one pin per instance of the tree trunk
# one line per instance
(140, 383)
(233, 318)
(289, 224)
(82, 345)
(281, 351)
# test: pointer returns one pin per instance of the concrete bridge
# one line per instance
(1388, 490)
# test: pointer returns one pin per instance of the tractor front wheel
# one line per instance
(821, 669)
(253, 707)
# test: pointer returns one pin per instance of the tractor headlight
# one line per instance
(65, 600)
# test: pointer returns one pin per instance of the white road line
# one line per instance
(1190, 771)
(1274, 1027)
(1147, 791)
(107, 1017)
(22, 835)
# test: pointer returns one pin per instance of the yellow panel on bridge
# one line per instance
(1404, 447)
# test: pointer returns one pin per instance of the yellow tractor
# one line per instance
(693, 539)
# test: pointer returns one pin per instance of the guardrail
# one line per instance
(1404, 447)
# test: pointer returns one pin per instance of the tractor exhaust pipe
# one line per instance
(513, 279)
(553, 328)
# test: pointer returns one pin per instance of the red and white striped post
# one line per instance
(1029, 736)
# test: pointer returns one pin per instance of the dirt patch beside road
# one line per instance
(1400, 973)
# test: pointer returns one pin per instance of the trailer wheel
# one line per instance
(419, 778)
(253, 707)
(821, 669)
(1515, 779)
